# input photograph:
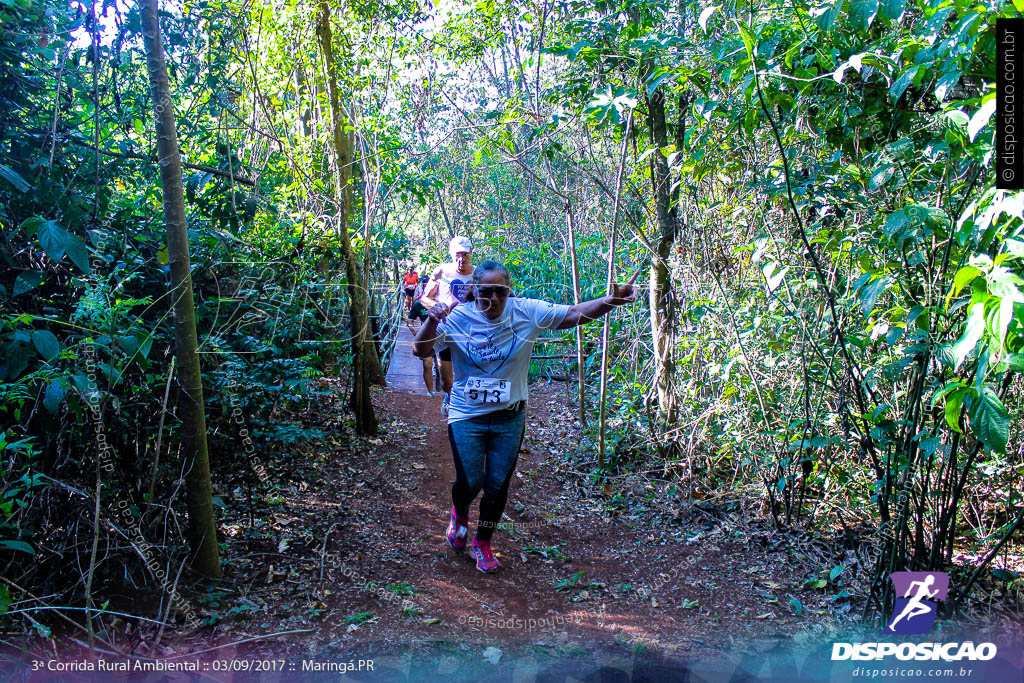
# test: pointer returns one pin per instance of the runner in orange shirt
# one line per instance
(409, 281)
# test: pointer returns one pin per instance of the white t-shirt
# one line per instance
(451, 284)
(491, 359)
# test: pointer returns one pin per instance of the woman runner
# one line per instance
(418, 310)
(490, 338)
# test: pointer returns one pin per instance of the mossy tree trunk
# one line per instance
(366, 367)
(202, 530)
(660, 290)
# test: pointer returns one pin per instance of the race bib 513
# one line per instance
(487, 391)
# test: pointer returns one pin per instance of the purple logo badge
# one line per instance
(917, 594)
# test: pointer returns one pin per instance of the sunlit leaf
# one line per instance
(990, 420)
(973, 331)
(892, 9)
(863, 13)
(945, 84)
(881, 176)
(980, 119)
(705, 14)
(905, 80)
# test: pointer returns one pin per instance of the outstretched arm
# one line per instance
(585, 311)
(423, 342)
(924, 587)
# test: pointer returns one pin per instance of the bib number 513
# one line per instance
(481, 391)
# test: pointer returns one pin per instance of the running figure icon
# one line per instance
(915, 608)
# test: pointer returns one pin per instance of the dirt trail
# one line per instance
(586, 572)
(348, 554)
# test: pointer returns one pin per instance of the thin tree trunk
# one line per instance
(606, 332)
(305, 127)
(202, 530)
(365, 361)
(370, 182)
(315, 107)
(89, 603)
(447, 222)
(576, 298)
(501, 202)
(662, 317)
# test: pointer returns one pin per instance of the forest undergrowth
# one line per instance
(344, 553)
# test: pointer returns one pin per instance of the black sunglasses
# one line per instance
(488, 291)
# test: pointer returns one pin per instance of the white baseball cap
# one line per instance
(459, 243)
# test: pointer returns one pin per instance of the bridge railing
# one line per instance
(386, 320)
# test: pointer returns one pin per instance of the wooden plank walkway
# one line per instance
(406, 370)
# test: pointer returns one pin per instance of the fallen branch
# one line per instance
(984, 563)
(143, 157)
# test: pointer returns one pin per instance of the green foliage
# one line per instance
(19, 489)
(360, 618)
(401, 588)
(572, 582)
(848, 289)
(86, 341)
(845, 292)
(548, 552)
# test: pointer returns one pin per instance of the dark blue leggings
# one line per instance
(485, 449)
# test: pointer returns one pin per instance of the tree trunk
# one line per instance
(660, 290)
(576, 298)
(305, 115)
(606, 331)
(447, 222)
(366, 366)
(202, 530)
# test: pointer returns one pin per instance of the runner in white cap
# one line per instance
(448, 285)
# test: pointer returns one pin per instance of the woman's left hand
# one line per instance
(624, 294)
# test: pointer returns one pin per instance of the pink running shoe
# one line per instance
(457, 531)
(485, 559)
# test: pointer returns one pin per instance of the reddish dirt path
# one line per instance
(704, 587)
(341, 555)
(321, 563)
